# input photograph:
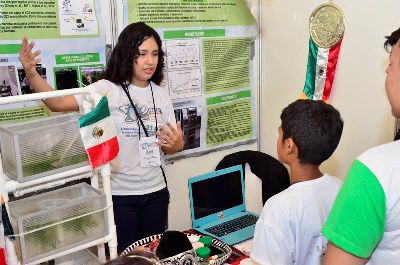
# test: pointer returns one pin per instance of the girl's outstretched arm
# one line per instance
(29, 60)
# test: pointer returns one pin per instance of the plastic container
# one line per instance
(83, 257)
(58, 220)
(39, 148)
(203, 252)
(206, 240)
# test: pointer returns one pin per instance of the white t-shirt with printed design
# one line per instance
(128, 177)
(288, 230)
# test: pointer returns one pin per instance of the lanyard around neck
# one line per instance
(126, 90)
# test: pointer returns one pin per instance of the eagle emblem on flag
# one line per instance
(97, 132)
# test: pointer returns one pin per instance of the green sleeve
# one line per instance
(357, 219)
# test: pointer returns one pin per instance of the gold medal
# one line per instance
(327, 25)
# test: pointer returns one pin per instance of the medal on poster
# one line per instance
(327, 25)
(149, 152)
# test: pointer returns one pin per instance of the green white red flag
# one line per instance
(321, 68)
(99, 134)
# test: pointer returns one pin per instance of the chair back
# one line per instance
(273, 174)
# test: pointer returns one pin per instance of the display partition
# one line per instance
(72, 38)
(211, 68)
(212, 65)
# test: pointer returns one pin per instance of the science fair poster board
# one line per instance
(209, 48)
(72, 40)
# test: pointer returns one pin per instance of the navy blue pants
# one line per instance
(139, 216)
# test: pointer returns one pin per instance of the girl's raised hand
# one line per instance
(28, 58)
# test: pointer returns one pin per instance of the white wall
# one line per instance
(358, 91)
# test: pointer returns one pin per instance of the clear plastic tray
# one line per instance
(83, 257)
(55, 221)
(39, 148)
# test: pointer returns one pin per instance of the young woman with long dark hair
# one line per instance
(132, 75)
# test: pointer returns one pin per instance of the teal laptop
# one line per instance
(218, 207)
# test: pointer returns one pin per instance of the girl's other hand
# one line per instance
(172, 138)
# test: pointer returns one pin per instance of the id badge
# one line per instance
(149, 152)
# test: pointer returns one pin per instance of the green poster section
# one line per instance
(230, 121)
(39, 19)
(25, 114)
(78, 58)
(226, 64)
(10, 48)
(189, 13)
(190, 34)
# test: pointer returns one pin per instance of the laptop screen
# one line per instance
(217, 193)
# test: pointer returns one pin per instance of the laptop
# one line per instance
(218, 207)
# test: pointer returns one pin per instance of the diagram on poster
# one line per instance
(185, 83)
(77, 17)
(183, 53)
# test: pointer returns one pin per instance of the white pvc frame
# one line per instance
(19, 189)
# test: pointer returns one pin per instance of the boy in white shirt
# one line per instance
(289, 228)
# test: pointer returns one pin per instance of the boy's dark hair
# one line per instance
(391, 40)
(314, 126)
(120, 65)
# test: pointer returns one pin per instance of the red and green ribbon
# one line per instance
(321, 68)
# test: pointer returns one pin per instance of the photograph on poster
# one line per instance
(24, 81)
(90, 74)
(66, 77)
(190, 119)
(87, 6)
(9, 81)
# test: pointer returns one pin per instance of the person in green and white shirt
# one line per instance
(363, 226)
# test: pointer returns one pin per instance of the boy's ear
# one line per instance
(290, 146)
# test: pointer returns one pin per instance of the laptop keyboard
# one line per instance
(233, 225)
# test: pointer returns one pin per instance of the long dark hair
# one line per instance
(119, 68)
(392, 40)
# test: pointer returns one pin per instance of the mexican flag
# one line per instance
(321, 68)
(99, 135)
